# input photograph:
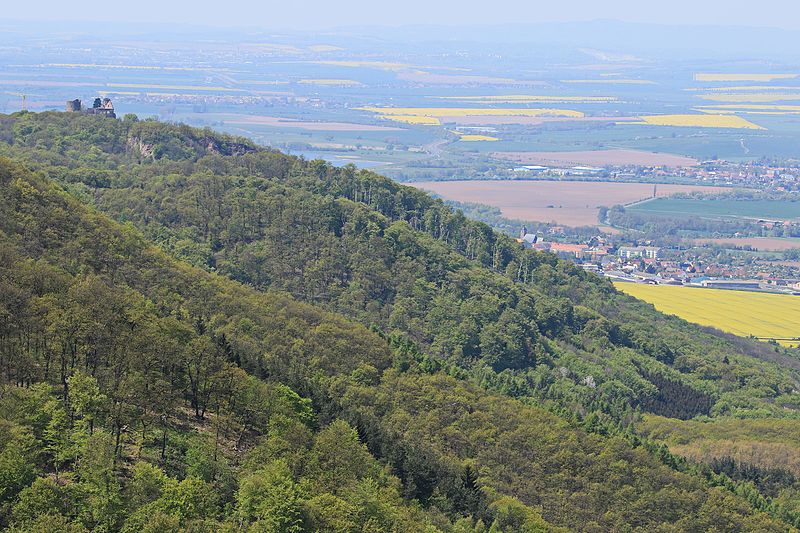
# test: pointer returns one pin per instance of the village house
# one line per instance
(633, 252)
(528, 240)
(568, 251)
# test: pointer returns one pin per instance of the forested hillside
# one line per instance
(485, 387)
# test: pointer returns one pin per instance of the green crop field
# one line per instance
(721, 208)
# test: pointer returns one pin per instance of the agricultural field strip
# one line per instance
(749, 97)
(703, 76)
(698, 120)
(738, 312)
(522, 98)
(472, 137)
(380, 65)
(331, 82)
(747, 88)
(758, 209)
(174, 87)
(775, 107)
(123, 67)
(612, 82)
(439, 112)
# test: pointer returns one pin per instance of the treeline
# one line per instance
(666, 227)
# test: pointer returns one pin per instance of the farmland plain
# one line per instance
(338, 96)
(762, 315)
(572, 203)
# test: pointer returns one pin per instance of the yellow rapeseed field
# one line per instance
(746, 112)
(698, 121)
(742, 313)
(470, 137)
(753, 107)
(413, 119)
(440, 112)
(742, 77)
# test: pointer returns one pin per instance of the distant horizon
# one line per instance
(316, 15)
(146, 25)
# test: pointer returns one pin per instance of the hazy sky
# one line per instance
(319, 14)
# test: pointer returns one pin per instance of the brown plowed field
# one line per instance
(571, 203)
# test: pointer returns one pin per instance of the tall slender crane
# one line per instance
(24, 97)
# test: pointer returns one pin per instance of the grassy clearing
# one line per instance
(769, 443)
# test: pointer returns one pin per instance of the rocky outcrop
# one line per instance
(140, 148)
(225, 147)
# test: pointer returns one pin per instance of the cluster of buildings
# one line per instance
(779, 177)
(101, 106)
(651, 264)
(562, 171)
(592, 253)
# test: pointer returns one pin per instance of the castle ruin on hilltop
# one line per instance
(102, 107)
